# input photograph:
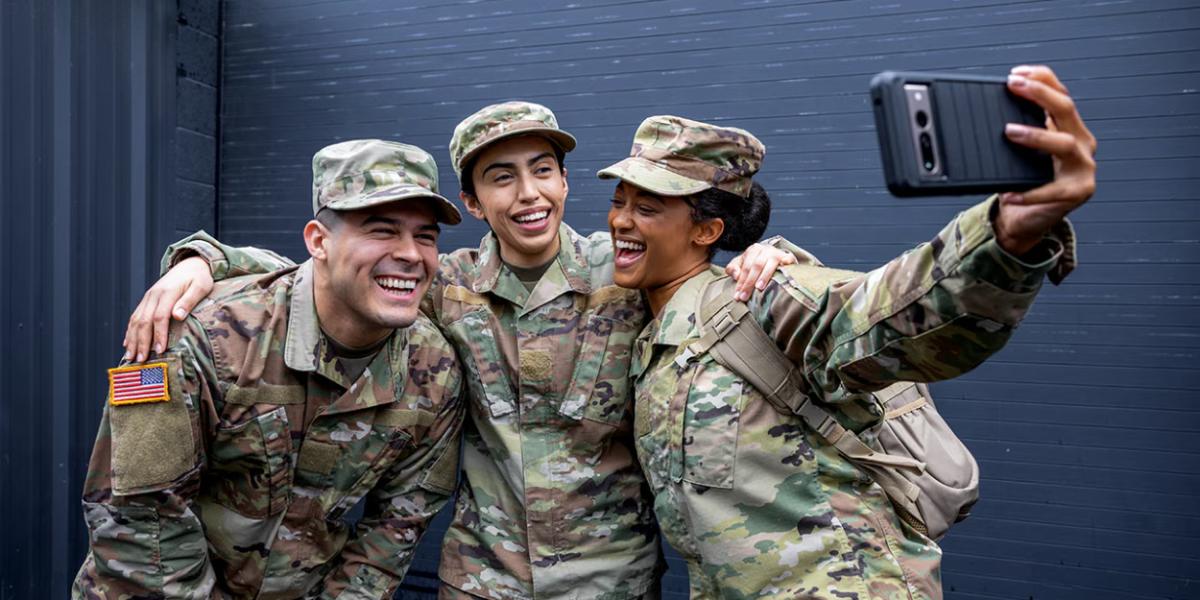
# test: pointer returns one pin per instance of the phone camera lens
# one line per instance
(922, 119)
(927, 158)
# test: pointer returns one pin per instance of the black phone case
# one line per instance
(970, 113)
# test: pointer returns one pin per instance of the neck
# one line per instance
(658, 297)
(529, 261)
(336, 321)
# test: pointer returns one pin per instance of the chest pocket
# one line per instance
(249, 470)
(486, 377)
(599, 388)
(711, 423)
(354, 459)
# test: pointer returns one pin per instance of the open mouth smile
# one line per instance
(627, 253)
(400, 288)
(533, 221)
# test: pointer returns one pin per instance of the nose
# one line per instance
(618, 218)
(405, 250)
(527, 190)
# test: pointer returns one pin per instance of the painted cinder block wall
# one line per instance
(1084, 426)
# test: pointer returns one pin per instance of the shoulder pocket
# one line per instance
(483, 364)
(710, 426)
(153, 443)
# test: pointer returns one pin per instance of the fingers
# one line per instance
(191, 297)
(139, 332)
(173, 296)
(1055, 142)
(1041, 73)
(734, 267)
(747, 279)
(1049, 93)
(754, 268)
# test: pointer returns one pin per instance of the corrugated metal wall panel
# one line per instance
(87, 174)
(1084, 425)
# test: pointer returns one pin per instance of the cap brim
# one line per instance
(446, 211)
(652, 177)
(558, 137)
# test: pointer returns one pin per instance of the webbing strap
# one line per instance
(743, 347)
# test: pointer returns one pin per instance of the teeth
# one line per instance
(624, 245)
(395, 283)
(537, 216)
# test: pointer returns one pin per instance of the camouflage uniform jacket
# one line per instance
(758, 505)
(236, 486)
(551, 503)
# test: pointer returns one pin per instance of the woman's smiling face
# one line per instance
(654, 239)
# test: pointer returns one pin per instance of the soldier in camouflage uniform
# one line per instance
(758, 504)
(552, 503)
(280, 412)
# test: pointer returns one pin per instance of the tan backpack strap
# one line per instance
(738, 343)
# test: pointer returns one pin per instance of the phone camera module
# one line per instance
(922, 119)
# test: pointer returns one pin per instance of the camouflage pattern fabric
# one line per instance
(674, 156)
(755, 502)
(360, 173)
(275, 444)
(551, 503)
(498, 121)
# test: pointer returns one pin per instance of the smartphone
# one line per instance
(943, 134)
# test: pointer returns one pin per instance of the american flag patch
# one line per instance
(134, 385)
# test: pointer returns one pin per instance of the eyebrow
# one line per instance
(376, 219)
(509, 165)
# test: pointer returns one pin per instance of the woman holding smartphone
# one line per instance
(757, 503)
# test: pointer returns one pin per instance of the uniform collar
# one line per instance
(308, 350)
(677, 322)
(568, 273)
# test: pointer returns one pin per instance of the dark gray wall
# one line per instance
(90, 194)
(1085, 426)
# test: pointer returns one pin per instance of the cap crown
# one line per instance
(361, 173)
(497, 121)
(723, 157)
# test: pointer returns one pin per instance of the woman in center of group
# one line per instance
(758, 504)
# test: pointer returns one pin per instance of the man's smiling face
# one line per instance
(373, 267)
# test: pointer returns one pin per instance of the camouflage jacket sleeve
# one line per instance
(224, 261)
(933, 313)
(145, 539)
(399, 508)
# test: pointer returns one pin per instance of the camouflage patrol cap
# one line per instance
(361, 173)
(500, 121)
(674, 156)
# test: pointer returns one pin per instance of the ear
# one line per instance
(316, 237)
(566, 185)
(474, 206)
(707, 232)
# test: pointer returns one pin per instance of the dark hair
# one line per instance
(329, 218)
(468, 171)
(745, 218)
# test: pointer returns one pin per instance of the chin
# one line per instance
(399, 320)
(626, 280)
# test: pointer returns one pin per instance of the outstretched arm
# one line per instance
(942, 308)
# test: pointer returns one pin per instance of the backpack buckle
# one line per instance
(683, 359)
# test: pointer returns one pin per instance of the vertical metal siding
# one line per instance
(83, 164)
(1085, 425)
